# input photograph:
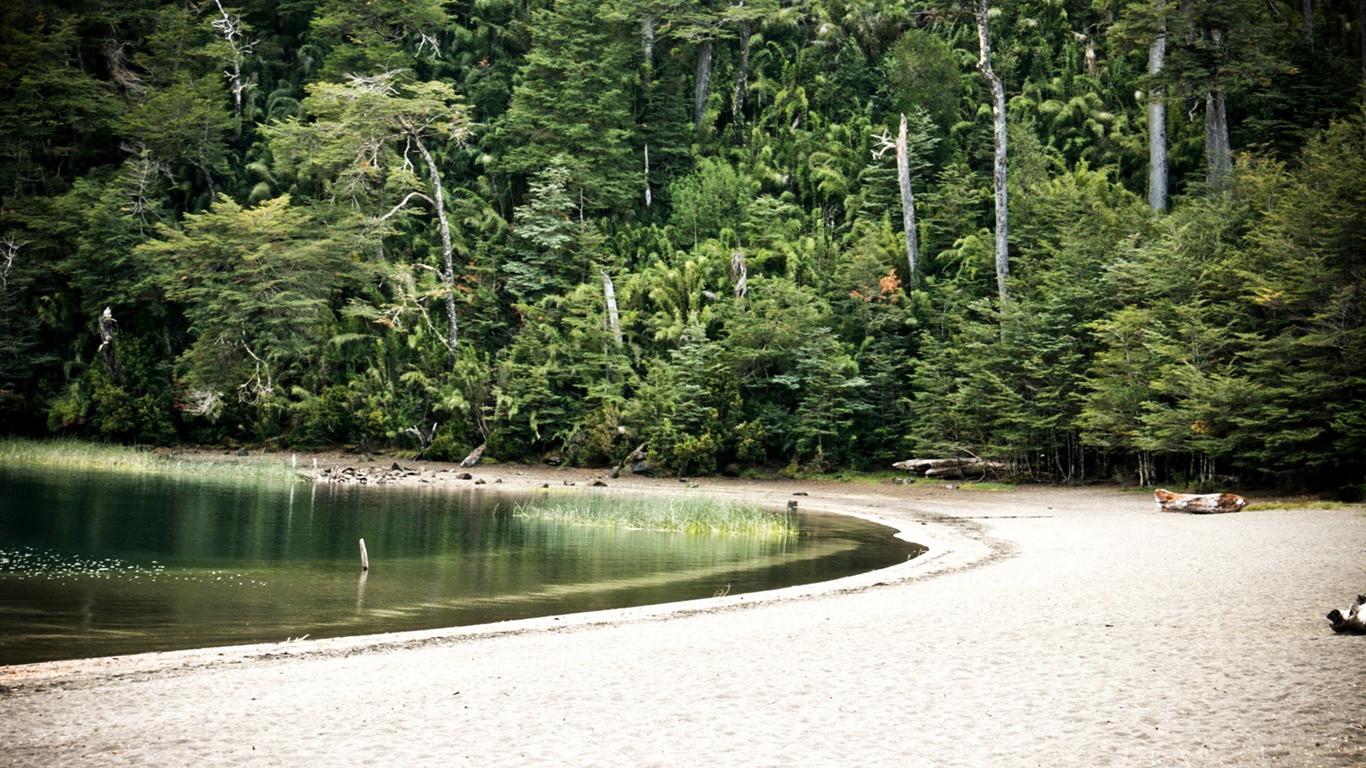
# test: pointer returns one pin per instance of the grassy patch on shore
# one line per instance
(682, 515)
(79, 454)
(1302, 504)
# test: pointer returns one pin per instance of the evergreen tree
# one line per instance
(574, 99)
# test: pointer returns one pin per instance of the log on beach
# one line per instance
(1354, 623)
(951, 469)
(1198, 503)
(474, 457)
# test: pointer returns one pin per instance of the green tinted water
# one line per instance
(95, 564)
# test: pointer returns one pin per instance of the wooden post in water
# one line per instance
(364, 558)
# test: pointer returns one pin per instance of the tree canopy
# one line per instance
(564, 229)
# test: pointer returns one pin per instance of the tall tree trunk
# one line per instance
(647, 39)
(649, 197)
(703, 86)
(1218, 149)
(903, 177)
(230, 27)
(737, 101)
(108, 346)
(1218, 152)
(1157, 121)
(998, 114)
(1307, 11)
(447, 250)
(1361, 27)
(739, 272)
(613, 317)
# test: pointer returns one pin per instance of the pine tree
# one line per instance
(574, 99)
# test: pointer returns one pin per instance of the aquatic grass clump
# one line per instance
(674, 514)
(80, 454)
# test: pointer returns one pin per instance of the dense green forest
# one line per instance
(565, 228)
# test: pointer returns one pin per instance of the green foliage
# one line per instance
(572, 100)
(924, 74)
(388, 225)
(545, 236)
(255, 285)
(377, 36)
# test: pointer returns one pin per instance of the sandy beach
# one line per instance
(1045, 626)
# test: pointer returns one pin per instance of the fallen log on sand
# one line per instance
(474, 457)
(1198, 503)
(1354, 623)
(951, 469)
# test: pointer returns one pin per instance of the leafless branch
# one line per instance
(9, 251)
(403, 203)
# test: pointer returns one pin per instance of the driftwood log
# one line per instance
(474, 457)
(1354, 623)
(951, 469)
(1198, 503)
(635, 457)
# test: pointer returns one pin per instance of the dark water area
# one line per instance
(96, 564)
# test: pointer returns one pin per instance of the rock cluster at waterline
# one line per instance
(393, 474)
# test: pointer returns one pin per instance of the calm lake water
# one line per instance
(95, 564)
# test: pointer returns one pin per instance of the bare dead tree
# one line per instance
(240, 45)
(737, 101)
(649, 197)
(613, 317)
(903, 177)
(647, 39)
(116, 55)
(998, 114)
(739, 272)
(1157, 121)
(108, 348)
(702, 86)
(259, 387)
(9, 251)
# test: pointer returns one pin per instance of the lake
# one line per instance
(97, 563)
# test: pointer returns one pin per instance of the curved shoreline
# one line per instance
(1047, 626)
(947, 549)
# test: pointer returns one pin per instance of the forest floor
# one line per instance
(1045, 626)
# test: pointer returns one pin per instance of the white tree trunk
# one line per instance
(647, 39)
(649, 197)
(230, 27)
(613, 317)
(447, 250)
(109, 346)
(702, 88)
(998, 114)
(737, 101)
(903, 177)
(1157, 122)
(1218, 152)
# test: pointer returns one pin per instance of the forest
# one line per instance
(1092, 239)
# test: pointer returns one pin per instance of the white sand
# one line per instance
(1052, 627)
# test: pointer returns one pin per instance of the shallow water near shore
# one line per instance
(96, 563)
